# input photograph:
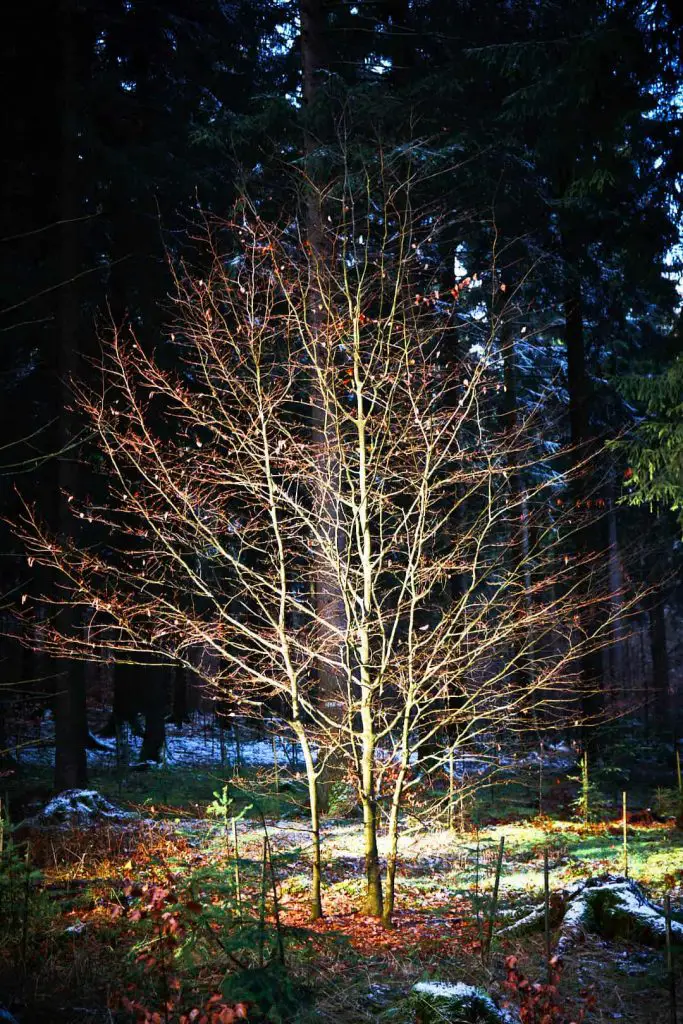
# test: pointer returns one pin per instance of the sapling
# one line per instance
(585, 788)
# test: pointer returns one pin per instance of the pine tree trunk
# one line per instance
(616, 586)
(180, 714)
(155, 715)
(71, 731)
(660, 666)
(587, 537)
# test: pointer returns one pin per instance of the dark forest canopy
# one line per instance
(543, 146)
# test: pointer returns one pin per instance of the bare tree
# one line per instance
(227, 519)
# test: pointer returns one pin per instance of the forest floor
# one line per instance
(141, 920)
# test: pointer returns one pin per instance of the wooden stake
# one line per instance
(678, 771)
(546, 911)
(238, 892)
(451, 788)
(624, 832)
(494, 898)
(262, 909)
(275, 766)
(669, 961)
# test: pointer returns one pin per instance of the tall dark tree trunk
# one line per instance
(660, 667)
(616, 586)
(155, 714)
(126, 704)
(180, 712)
(71, 730)
(587, 536)
(403, 42)
(328, 602)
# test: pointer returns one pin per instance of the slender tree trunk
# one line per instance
(314, 811)
(392, 838)
(374, 903)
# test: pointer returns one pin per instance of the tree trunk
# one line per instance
(71, 730)
(392, 854)
(616, 587)
(328, 602)
(314, 810)
(586, 536)
(155, 716)
(374, 903)
(660, 667)
(180, 714)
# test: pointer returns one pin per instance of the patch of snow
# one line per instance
(77, 806)
(468, 995)
(449, 990)
(75, 929)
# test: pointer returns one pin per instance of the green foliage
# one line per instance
(25, 910)
(223, 807)
(654, 451)
(271, 989)
(597, 790)
(343, 800)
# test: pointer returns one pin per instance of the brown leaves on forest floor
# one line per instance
(414, 931)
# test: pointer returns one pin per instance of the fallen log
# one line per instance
(610, 905)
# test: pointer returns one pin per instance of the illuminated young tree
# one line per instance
(354, 448)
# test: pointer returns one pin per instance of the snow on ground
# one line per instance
(202, 742)
(462, 999)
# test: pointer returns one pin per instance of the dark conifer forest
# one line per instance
(341, 550)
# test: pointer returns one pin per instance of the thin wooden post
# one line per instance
(27, 902)
(276, 904)
(670, 962)
(678, 772)
(275, 766)
(238, 751)
(624, 832)
(451, 787)
(546, 912)
(494, 898)
(238, 891)
(262, 909)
